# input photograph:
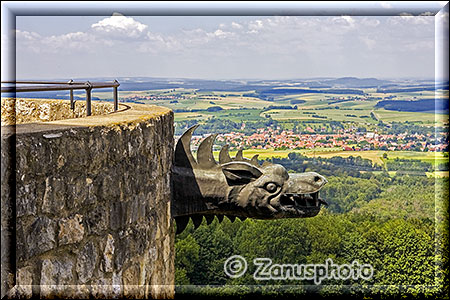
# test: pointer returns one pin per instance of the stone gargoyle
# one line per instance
(237, 187)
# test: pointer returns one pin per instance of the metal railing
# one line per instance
(65, 86)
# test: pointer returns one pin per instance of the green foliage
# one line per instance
(408, 165)
(345, 193)
(386, 222)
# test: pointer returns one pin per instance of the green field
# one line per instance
(317, 106)
(389, 116)
(374, 155)
(350, 115)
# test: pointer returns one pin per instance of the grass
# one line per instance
(434, 158)
(352, 111)
(438, 174)
(376, 156)
(350, 115)
(389, 116)
(269, 153)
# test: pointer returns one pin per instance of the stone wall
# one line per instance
(18, 111)
(87, 213)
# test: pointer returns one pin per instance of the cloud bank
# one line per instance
(280, 46)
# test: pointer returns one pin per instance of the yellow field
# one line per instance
(263, 153)
(375, 156)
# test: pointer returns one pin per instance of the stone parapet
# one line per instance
(86, 206)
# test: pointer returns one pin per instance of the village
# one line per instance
(347, 140)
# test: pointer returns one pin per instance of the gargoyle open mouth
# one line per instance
(302, 200)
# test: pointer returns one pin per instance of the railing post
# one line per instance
(88, 98)
(116, 96)
(72, 103)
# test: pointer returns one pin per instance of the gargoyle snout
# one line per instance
(305, 183)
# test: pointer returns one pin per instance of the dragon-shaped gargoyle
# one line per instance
(237, 187)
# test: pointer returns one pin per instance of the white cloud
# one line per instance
(344, 22)
(236, 25)
(120, 26)
(26, 35)
(256, 25)
(222, 34)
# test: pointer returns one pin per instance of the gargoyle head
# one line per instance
(237, 187)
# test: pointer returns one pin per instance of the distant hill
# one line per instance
(355, 82)
(422, 105)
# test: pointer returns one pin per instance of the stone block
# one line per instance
(56, 277)
(54, 201)
(108, 255)
(131, 283)
(118, 215)
(86, 262)
(24, 282)
(40, 236)
(71, 230)
(97, 219)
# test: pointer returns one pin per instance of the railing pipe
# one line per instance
(88, 98)
(63, 86)
(116, 95)
(72, 103)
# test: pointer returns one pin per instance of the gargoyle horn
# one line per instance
(254, 161)
(205, 157)
(224, 156)
(183, 154)
(239, 156)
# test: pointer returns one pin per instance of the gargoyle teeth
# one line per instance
(209, 219)
(232, 218)
(321, 201)
(197, 220)
(301, 200)
(181, 222)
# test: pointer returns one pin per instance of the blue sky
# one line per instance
(227, 47)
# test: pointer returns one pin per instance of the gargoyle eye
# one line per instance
(271, 187)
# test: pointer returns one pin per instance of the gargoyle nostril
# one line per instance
(317, 178)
